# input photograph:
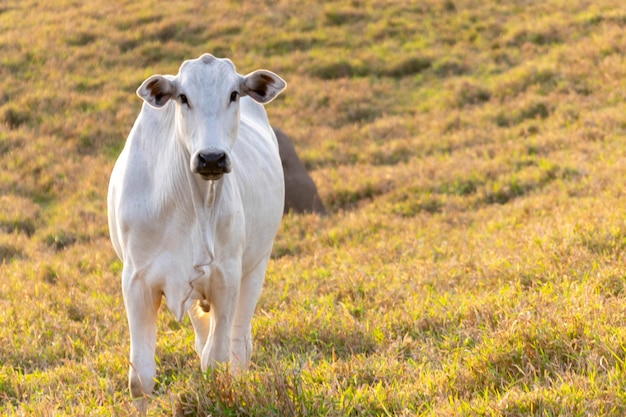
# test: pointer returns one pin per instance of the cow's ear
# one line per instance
(157, 90)
(262, 85)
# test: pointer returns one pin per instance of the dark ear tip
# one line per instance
(156, 90)
(152, 84)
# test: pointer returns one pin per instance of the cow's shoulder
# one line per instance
(145, 174)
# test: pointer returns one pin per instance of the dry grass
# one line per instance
(471, 155)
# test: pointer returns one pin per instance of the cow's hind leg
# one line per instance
(241, 336)
(201, 324)
(142, 305)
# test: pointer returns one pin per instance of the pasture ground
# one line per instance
(472, 155)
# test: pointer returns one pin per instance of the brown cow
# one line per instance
(300, 190)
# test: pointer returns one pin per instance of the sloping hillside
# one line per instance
(472, 156)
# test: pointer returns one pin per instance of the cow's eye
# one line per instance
(183, 99)
(233, 96)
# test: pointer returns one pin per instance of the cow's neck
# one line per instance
(204, 198)
(196, 200)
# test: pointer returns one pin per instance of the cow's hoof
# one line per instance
(141, 405)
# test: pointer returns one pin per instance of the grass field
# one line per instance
(472, 156)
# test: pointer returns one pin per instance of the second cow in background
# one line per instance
(300, 191)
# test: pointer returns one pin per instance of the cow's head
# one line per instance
(207, 91)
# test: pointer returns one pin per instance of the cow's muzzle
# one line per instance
(211, 165)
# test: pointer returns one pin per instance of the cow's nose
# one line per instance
(212, 161)
(213, 164)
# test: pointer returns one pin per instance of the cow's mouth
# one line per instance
(211, 177)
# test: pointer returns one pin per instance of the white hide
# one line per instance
(188, 238)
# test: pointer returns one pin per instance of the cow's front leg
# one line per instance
(142, 305)
(241, 336)
(224, 294)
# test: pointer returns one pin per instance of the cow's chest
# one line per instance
(186, 259)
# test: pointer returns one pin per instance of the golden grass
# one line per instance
(472, 158)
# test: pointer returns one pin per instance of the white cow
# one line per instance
(194, 203)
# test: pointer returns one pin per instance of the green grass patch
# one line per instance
(471, 158)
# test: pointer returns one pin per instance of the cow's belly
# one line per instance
(261, 232)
